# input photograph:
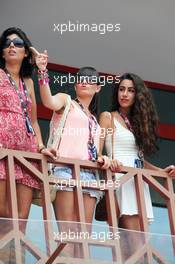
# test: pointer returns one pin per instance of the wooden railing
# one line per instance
(54, 248)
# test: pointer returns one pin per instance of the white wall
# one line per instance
(145, 44)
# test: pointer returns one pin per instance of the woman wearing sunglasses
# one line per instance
(19, 128)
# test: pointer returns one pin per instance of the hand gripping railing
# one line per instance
(54, 247)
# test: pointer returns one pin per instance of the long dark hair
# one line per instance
(26, 67)
(143, 115)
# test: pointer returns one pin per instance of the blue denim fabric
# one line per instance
(85, 175)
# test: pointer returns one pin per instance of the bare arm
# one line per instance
(105, 124)
(49, 152)
(169, 169)
(149, 166)
(53, 102)
(103, 121)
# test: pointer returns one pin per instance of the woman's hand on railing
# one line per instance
(50, 152)
(104, 161)
(116, 166)
(170, 170)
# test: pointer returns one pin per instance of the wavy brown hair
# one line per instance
(143, 115)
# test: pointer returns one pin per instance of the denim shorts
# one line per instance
(85, 176)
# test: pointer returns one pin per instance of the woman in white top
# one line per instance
(134, 122)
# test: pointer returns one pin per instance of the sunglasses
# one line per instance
(17, 42)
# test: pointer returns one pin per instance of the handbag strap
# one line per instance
(55, 136)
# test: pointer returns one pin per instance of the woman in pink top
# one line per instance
(79, 139)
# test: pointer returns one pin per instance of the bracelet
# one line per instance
(41, 147)
(43, 77)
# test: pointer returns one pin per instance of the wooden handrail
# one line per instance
(24, 159)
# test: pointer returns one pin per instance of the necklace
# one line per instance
(25, 103)
(81, 106)
(92, 150)
(127, 122)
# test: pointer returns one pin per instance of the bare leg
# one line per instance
(130, 222)
(3, 199)
(65, 211)
(89, 206)
(24, 199)
(64, 207)
(5, 225)
(133, 240)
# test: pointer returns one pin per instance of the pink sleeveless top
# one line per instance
(75, 134)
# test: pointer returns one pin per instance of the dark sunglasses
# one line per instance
(17, 42)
